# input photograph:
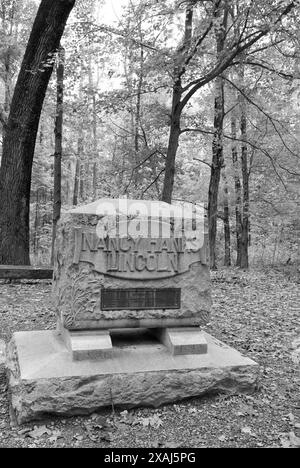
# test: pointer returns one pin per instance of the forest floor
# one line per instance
(256, 312)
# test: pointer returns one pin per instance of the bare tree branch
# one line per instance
(153, 153)
(218, 69)
(271, 119)
(252, 145)
(261, 49)
(203, 162)
(236, 49)
(154, 181)
(114, 31)
(287, 76)
(202, 37)
(272, 204)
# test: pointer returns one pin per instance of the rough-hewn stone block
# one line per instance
(84, 268)
(44, 380)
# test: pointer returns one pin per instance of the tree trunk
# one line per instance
(95, 147)
(216, 167)
(177, 109)
(8, 23)
(245, 175)
(226, 220)
(68, 184)
(76, 182)
(82, 183)
(95, 181)
(22, 126)
(217, 147)
(139, 98)
(58, 146)
(238, 191)
(7, 82)
(36, 224)
(173, 144)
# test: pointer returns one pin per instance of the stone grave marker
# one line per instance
(132, 291)
(127, 264)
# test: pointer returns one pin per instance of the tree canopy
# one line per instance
(173, 100)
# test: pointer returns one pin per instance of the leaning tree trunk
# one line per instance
(177, 108)
(58, 130)
(22, 126)
(173, 144)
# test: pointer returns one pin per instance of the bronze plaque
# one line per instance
(140, 298)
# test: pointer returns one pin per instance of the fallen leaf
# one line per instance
(55, 436)
(106, 437)
(24, 431)
(153, 421)
(39, 432)
(296, 356)
(100, 422)
(247, 430)
(124, 414)
(171, 444)
(294, 440)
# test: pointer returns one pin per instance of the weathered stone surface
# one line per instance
(90, 344)
(44, 380)
(182, 340)
(78, 282)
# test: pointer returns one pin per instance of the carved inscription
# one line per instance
(135, 258)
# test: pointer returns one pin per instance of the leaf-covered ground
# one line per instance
(256, 312)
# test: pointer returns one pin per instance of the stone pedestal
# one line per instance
(94, 344)
(119, 265)
(101, 282)
(44, 379)
(181, 341)
(91, 344)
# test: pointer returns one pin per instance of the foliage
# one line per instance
(117, 112)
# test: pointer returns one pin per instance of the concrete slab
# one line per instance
(43, 378)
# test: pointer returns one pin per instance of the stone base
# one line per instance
(182, 340)
(44, 380)
(95, 344)
(84, 345)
